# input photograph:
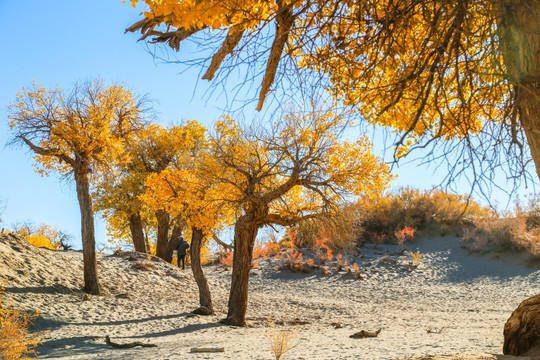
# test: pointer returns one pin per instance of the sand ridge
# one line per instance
(452, 303)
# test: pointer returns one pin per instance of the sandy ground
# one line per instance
(452, 303)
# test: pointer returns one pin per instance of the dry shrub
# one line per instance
(294, 260)
(530, 211)
(281, 341)
(226, 258)
(339, 231)
(434, 209)
(265, 250)
(143, 265)
(508, 233)
(15, 340)
(391, 217)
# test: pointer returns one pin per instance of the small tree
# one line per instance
(118, 194)
(73, 135)
(185, 191)
(298, 170)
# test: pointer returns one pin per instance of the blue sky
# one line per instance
(61, 42)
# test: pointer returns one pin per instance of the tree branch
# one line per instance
(47, 152)
(231, 41)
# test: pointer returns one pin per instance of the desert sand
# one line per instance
(453, 305)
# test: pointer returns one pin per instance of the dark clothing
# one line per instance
(182, 259)
(181, 252)
(182, 246)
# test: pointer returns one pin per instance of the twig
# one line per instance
(207, 350)
(128, 345)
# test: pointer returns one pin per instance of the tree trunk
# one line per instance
(163, 224)
(529, 108)
(205, 298)
(147, 243)
(519, 32)
(137, 234)
(245, 232)
(91, 281)
(171, 246)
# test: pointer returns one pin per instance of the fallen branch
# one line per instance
(128, 345)
(207, 350)
(435, 331)
(365, 333)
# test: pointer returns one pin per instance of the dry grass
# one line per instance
(281, 341)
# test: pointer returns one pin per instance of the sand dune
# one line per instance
(452, 303)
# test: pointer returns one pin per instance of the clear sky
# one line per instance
(64, 41)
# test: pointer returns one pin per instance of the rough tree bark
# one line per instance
(91, 281)
(171, 246)
(205, 297)
(163, 225)
(245, 232)
(519, 33)
(137, 234)
(522, 330)
(519, 26)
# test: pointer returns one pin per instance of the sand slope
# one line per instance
(463, 300)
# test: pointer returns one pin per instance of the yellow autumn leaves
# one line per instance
(298, 165)
(216, 14)
(88, 124)
(430, 69)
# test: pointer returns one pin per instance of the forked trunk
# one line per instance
(91, 281)
(171, 246)
(163, 225)
(205, 298)
(137, 234)
(245, 232)
(519, 33)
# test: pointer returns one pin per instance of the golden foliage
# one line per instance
(42, 236)
(83, 129)
(427, 68)
(298, 169)
(153, 149)
(16, 342)
(216, 14)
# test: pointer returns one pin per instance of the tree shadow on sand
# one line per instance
(183, 330)
(50, 289)
(131, 321)
(73, 346)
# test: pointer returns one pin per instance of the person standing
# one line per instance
(181, 251)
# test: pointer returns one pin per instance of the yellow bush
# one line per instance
(42, 236)
(40, 241)
(15, 339)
